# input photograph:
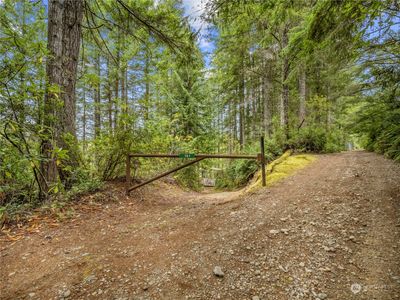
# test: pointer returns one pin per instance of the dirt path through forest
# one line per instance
(330, 231)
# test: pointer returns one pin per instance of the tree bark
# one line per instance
(253, 102)
(284, 104)
(63, 43)
(116, 98)
(147, 86)
(242, 95)
(109, 97)
(84, 118)
(97, 116)
(116, 82)
(234, 113)
(303, 94)
(266, 96)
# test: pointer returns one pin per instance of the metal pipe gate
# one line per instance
(196, 158)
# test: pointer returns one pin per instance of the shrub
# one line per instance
(240, 171)
(317, 139)
(237, 174)
(309, 139)
(189, 177)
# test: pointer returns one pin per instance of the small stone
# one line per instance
(285, 231)
(322, 296)
(283, 269)
(218, 271)
(90, 279)
(48, 237)
(329, 249)
(31, 295)
(66, 294)
(255, 298)
(274, 231)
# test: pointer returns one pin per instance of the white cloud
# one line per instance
(205, 44)
(194, 10)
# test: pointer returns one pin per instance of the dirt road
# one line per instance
(331, 231)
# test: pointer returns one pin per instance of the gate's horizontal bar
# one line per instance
(196, 156)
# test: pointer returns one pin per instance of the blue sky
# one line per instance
(194, 10)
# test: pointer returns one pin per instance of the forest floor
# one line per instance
(330, 231)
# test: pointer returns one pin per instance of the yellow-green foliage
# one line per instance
(281, 168)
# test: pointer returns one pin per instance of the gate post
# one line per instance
(264, 180)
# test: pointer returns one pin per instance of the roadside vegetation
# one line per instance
(311, 78)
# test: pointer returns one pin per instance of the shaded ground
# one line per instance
(331, 231)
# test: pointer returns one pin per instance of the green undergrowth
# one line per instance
(59, 206)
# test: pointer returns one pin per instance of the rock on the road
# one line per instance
(218, 271)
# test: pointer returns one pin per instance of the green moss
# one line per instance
(281, 168)
(288, 167)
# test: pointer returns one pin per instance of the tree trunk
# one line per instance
(147, 86)
(302, 93)
(97, 117)
(63, 43)
(123, 98)
(266, 96)
(116, 99)
(84, 118)
(253, 102)
(284, 104)
(234, 116)
(116, 82)
(109, 97)
(242, 95)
